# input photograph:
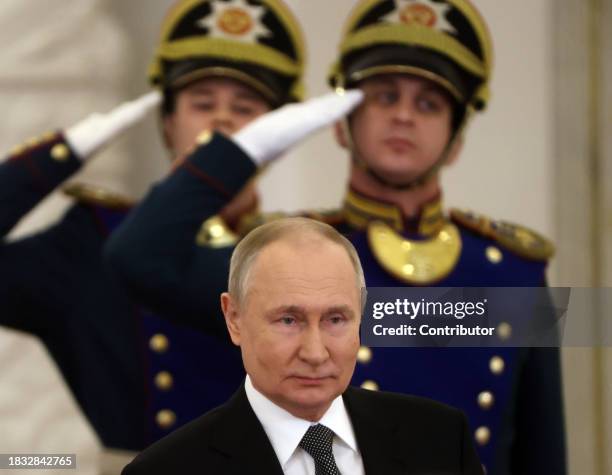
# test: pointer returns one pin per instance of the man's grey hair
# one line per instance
(248, 249)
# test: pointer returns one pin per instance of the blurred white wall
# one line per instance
(506, 169)
(52, 73)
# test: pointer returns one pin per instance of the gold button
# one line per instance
(164, 380)
(159, 343)
(60, 152)
(165, 418)
(364, 355)
(370, 385)
(486, 400)
(504, 331)
(494, 255)
(482, 435)
(204, 137)
(496, 365)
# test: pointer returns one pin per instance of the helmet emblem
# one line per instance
(235, 20)
(422, 13)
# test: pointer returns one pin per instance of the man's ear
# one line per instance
(232, 317)
(455, 150)
(340, 134)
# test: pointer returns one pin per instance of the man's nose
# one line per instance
(404, 110)
(312, 349)
(223, 121)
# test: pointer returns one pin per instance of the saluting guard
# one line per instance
(137, 376)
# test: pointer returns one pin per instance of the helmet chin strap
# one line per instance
(415, 182)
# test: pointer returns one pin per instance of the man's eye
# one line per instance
(288, 320)
(386, 98)
(243, 110)
(336, 319)
(428, 105)
(204, 106)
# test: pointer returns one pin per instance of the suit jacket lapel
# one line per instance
(240, 436)
(376, 436)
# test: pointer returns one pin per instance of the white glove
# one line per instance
(275, 132)
(92, 133)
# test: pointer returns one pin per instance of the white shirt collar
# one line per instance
(285, 431)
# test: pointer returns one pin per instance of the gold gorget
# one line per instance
(415, 262)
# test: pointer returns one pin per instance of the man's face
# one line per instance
(220, 104)
(402, 127)
(298, 327)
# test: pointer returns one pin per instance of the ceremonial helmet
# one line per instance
(445, 41)
(256, 42)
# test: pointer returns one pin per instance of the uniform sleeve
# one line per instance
(30, 174)
(539, 445)
(154, 252)
(25, 266)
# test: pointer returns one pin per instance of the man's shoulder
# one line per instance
(431, 429)
(404, 408)
(180, 451)
(432, 433)
(389, 401)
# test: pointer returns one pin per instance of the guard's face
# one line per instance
(299, 326)
(215, 103)
(402, 127)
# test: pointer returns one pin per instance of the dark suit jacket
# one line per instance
(396, 434)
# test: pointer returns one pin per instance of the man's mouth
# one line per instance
(310, 380)
(399, 143)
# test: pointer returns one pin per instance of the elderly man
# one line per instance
(293, 308)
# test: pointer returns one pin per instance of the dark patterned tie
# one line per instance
(318, 443)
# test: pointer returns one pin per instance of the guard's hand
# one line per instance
(91, 134)
(275, 132)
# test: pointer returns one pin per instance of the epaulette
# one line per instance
(215, 233)
(95, 195)
(517, 239)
